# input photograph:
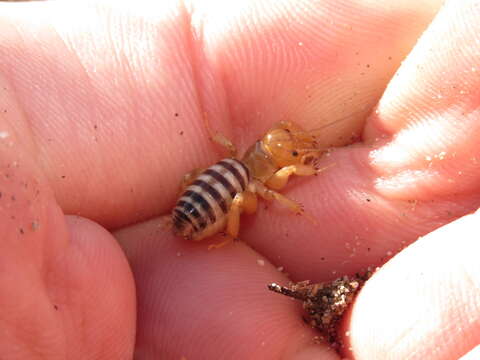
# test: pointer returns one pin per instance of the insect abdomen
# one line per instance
(202, 209)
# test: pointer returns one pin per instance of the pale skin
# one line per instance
(88, 127)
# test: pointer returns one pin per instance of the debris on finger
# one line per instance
(325, 303)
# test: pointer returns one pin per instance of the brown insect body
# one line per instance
(213, 199)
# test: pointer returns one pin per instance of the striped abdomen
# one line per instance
(202, 209)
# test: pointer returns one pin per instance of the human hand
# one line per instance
(103, 117)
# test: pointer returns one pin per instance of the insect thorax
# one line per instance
(259, 162)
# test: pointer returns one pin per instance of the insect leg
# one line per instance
(246, 201)
(249, 202)
(223, 141)
(188, 179)
(269, 194)
(219, 245)
(220, 138)
(233, 222)
(278, 180)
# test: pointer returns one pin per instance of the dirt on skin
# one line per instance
(325, 303)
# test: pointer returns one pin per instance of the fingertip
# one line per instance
(97, 250)
(95, 263)
(198, 303)
(422, 296)
(473, 354)
(427, 119)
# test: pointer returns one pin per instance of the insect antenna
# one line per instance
(310, 149)
(325, 126)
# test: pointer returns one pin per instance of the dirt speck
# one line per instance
(35, 225)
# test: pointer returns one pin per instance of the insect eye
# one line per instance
(295, 153)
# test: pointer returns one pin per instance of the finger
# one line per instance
(424, 303)
(472, 355)
(313, 55)
(359, 226)
(429, 113)
(381, 196)
(200, 304)
(116, 123)
(93, 284)
(54, 272)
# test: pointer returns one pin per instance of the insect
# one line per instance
(213, 199)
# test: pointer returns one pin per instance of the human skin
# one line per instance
(101, 115)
